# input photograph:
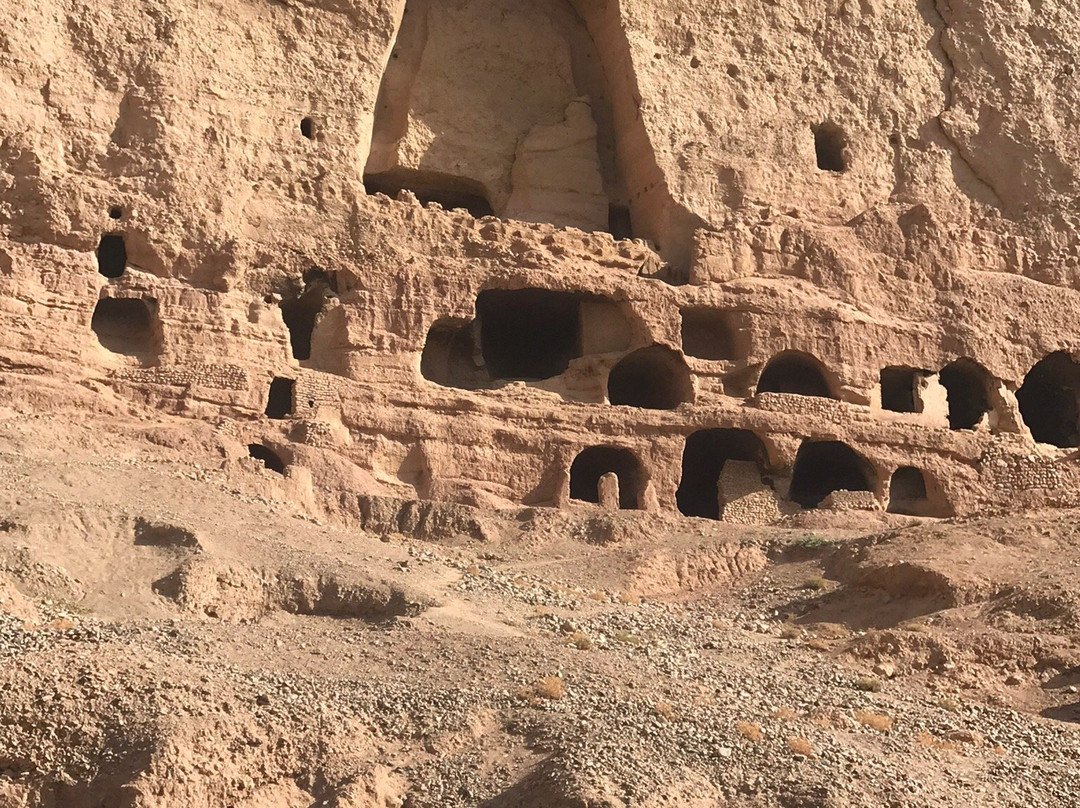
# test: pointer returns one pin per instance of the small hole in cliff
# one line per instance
(907, 492)
(126, 326)
(733, 71)
(898, 388)
(966, 383)
(594, 463)
(116, 212)
(795, 372)
(307, 128)
(830, 143)
(619, 223)
(112, 255)
(827, 466)
(267, 456)
(1050, 401)
(302, 313)
(654, 378)
(280, 404)
(695, 62)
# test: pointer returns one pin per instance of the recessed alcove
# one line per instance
(967, 384)
(708, 334)
(446, 190)
(593, 463)
(822, 467)
(704, 456)
(654, 378)
(268, 457)
(112, 255)
(279, 404)
(1048, 401)
(795, 372)
(128, 326)
(830, 148)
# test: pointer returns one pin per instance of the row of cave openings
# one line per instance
(535, 334)
(821, 468)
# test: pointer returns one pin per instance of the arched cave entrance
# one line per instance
(907, 492)
(594, 462)
(267, 457)
(708, 334)
(128, 326)
(655, 378)
(822, 467)
(704, 457)
(446, 190)
(967, 385)
(1048, 401)
(301, 312)
(112, 255)
(280, 402)
(795, 372)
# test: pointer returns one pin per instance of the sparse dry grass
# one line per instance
(629, 598)
(550, 687)
(818, 644)
(666, 710)
(928, 741)
(949, 705)
(785, 714)
(815, 584)
(801, 746)
(868, 718)
(868, 684)
(580, 641)
(790, 632)
(627, 638)
(599, 597)
(752, 732)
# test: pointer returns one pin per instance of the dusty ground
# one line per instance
(177, 629)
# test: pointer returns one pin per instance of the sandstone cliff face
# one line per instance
(841, 242)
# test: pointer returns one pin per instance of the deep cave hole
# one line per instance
(450, 192)
(301, 313)
(307, 127)
(830, 145)
(1048, 400)
(620, 224)
(280, 403)
(966, 384)
(708, 334)
(704, 457)
(267, 456)
(593, 463)
(654, 378)
(795, 372)
(528, 333)
(907, 492)
(898, 388)
(127, 326)
(822, 467)
(112, 255)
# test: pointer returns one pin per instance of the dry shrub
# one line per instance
(868, 684)
(752, 732)
(814, 584)
(801, 746)
(630, 599)
(599, 597)
(927, 740)
(950, 705)
(882, 723)
(785, 714)
(550, 687)
(580, 641)
(665, 710)
(626, 638)
(790, 632)
(818, 644)
(473, 570)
